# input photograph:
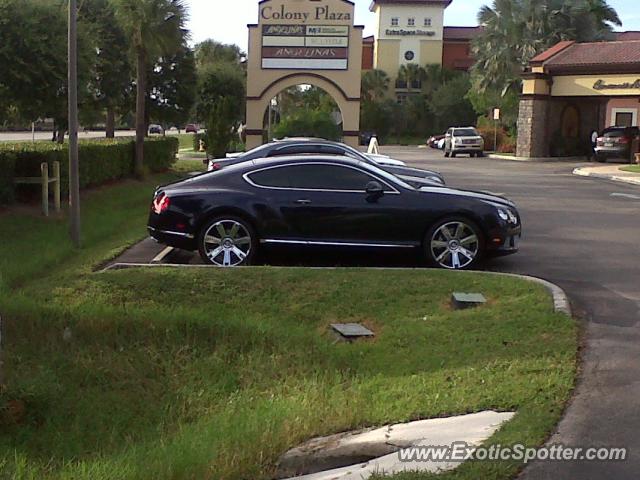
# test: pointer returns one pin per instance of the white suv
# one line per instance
(463, 140)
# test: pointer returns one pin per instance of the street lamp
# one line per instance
(74, 173)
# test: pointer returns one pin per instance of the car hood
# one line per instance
(411, 172)
(483, 196)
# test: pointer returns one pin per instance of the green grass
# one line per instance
(188, 166)
(186, 140)
(212, 374)
(631, 168)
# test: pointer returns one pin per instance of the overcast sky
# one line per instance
(226, 20)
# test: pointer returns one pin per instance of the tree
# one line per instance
(221, 93)
(517, 30)
(375, 85)
(110, 83)
(211, 53)
(411, 74)
(155, 28)
(33, 76)
(173, 86)
(450, 105)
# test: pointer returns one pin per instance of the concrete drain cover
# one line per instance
(467, 300)
(352, 331)
(360, 455)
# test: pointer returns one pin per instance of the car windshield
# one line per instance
(465, 132)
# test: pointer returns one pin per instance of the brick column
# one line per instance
(532, 127)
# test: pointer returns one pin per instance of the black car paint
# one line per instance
(401, 219)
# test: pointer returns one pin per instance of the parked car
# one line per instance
(617, 142)
(463, 140)
(434, 140)
(329, 201)
(365, 137)
(191, 128)
(314, 146)
(155, 129)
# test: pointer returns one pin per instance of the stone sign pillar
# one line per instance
(304, 42)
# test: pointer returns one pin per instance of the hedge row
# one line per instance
(101, 161)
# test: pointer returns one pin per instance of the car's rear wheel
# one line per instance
(453, 154)
(446, 153)
(454, 243)
(600, 159)
(227, 241)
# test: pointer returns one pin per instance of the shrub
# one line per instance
(7, 169)
(308, 124)
(101, 161)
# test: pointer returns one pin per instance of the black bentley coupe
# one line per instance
(332, 201)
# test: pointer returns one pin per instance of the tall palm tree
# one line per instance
(411, 73)
(375, 85)
(155, 28)
(514, 31)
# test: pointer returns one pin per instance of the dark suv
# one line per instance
(617, 142)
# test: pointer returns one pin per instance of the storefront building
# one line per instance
(413, 32)
(573, 89)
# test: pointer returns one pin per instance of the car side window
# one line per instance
(270, 177)
(328, 177)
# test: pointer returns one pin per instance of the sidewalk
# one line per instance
(609, 172)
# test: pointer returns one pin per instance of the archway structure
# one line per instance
(298, 42)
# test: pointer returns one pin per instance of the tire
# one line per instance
(463, 250)
(235, 238)
(446, 154)
(600, 159)
(453, 154)
(480, 154)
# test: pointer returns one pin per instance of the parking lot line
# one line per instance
(161, 256)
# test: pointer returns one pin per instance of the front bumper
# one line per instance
(467, 148)
(505, 242)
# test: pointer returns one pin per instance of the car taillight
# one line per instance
(624, 140)
(161, 203)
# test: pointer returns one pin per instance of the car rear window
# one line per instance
(613, 133)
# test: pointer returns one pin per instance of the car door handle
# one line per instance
(303, 201)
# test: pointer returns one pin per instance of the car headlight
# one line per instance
(508, 216)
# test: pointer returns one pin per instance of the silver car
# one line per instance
(463, 140)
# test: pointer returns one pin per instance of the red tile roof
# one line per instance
(624, 55)
(553, 51)
(627, 35)
(461, 33)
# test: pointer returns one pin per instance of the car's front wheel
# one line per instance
(227, 241)
(455, 243)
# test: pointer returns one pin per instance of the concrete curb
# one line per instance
(497, 156)
(561, 302)
(584, 172)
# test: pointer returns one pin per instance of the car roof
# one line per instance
(303, 140)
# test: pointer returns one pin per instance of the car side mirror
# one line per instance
(374, 191)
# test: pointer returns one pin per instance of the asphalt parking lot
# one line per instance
(580, 233)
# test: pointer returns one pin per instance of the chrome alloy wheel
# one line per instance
(454, 245)
(227, 243)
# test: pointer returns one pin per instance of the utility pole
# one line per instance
(74, 171)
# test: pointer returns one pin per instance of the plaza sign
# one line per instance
(318, 47)
(602, 85)
(321, 13)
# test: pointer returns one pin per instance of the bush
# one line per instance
(101, 161)
(7, 172)
(308, 124)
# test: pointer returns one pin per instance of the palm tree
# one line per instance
(411, 73)
(155, 28)
(375, 85)
(514, 31)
